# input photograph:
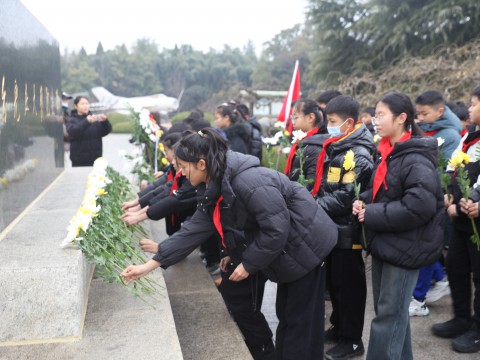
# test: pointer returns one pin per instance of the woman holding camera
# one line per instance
(86, 131)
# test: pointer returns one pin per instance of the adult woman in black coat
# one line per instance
(86, 131)
(266, 223)
(402, 211)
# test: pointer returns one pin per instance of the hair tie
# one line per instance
(201, 133)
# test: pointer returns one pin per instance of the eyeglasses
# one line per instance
(377, 118)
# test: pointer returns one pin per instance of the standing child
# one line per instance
(402, 211)
(463, 257)
(309, 118)
(334, 189)
(266, 223)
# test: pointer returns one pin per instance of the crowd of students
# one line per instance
(356, 198)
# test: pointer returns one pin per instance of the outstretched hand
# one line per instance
(148, 245)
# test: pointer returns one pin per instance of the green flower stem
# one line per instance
(475, 238)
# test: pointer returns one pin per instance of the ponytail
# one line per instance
(307, 106)
(230, 111)
(207, 144)
(399, 103)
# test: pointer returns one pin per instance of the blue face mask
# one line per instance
(335, 130)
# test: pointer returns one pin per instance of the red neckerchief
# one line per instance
(466, 145)
(217, 221)
(321, 159)
(464, 131)
(175, 184)
(385, 149)
(174, 187)
(170, 175)
(430, 133)
(293, 151)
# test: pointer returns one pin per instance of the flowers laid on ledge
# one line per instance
(17, 173)
(98, 230)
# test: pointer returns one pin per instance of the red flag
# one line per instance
(292, 95)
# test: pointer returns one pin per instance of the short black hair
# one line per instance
(179, 127)
(344, 106)
(476, 91)
(326, 96)
(369, 110)
(460, 109)
(431, 98)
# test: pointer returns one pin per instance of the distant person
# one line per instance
(324, 97)
(65, 105)
(229, 122)
(86, 131)
(256, 144)
(366, 116)
(461, 110)
(436, 119)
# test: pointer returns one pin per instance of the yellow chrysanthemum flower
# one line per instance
(164, 161)
(348, 163)
(160, 147)
(286, 133)
(459, 160)
(101, 192)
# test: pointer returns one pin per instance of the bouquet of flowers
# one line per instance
(98, 230)
(146, 135)
(458, 162)
(349, 166)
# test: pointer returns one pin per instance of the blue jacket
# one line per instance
(449, 127)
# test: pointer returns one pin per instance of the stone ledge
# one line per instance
(44, 288)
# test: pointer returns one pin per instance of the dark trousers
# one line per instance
(300, 310)
(244, 301)
(348, 292)
(463, 259)
(211, 250)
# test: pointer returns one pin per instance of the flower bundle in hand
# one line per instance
(105, 240)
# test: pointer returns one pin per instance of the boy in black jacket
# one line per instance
(334, 189)
(463, 255)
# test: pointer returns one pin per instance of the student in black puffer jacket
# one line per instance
(334, 190)
(231, 123)
(309, 118)
(266, 223)
(403, 213)
(85, 132)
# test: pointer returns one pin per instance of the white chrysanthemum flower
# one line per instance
(298, 135)
(286, 150)
(440, 141)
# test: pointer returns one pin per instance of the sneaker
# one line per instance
(418, 308)
(331, 336)
(452, 328)
(437, 291)
(345, 350)
(468, 342)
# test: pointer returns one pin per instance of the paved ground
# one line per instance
(425, 345)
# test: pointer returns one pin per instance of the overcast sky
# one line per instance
(203, 24)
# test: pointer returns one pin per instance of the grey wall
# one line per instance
(31, 135)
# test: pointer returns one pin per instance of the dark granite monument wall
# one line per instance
(31, 133)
